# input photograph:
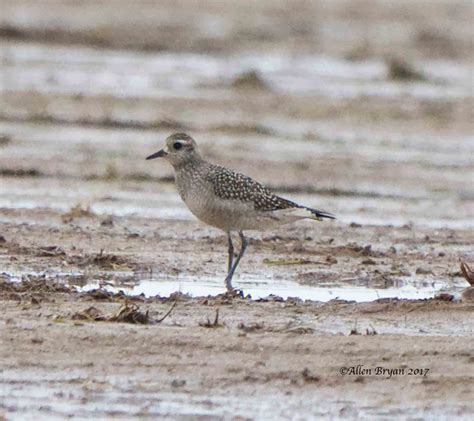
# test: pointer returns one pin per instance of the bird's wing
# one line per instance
(231, 185)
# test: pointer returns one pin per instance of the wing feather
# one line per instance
(231, 185)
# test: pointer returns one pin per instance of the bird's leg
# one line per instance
(231, 253)
(228, 279)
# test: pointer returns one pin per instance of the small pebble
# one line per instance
(107, 222)
(423, 271)
(178, 383)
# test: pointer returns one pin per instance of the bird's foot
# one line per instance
(234, 293)
(231, 291)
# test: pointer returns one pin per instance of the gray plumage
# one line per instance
(226, 199)
(231, 185)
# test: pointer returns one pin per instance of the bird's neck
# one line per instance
(189, 164)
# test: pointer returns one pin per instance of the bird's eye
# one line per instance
(177, 145)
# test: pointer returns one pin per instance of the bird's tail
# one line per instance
(318, 215)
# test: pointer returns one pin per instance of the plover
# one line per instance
(225, 199)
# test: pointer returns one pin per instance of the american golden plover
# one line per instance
(226, 199)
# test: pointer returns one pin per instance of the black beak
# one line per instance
(158, 154)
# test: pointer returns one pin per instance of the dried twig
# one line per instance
(467, 273)
(168, 312)
(130, 313)
(213, 324)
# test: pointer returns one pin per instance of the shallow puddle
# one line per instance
(350, 290)
(261, 289)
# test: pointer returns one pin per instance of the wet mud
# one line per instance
(112, 293)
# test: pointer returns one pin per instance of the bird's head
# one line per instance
(179, 149)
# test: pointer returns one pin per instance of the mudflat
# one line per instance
(359, 317)
(254, 360)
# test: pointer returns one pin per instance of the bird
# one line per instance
(227, 200)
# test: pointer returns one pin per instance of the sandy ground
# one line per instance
(260, 361)
(360, 108)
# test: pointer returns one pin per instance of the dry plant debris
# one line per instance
(128, 313)
(51, 251)
(214, 324)
(468, 273)
(368, 331)
(168, 312)
(400, 70)
(308, 377)
(91, 314)
(250, 80)
(444, 297)
(77, 211)
(252, 327)
(468, 294)
(101, 259)
(298, 330)
(32, 288)
(288, 262)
